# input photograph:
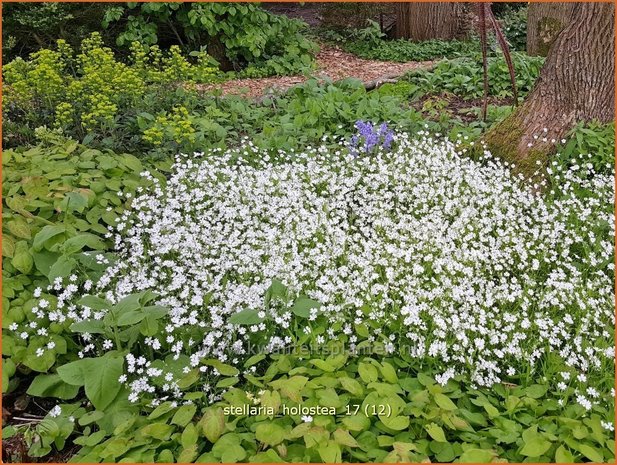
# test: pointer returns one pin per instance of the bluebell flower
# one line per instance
(370, 137)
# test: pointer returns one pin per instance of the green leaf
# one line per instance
(95, 303)
(45, 234)
(8, 247)
(159, 431)
(367, 372)
(535, 446)
(535, 391)
(303, 305)
(563, 455)
(591, 453)
(351, 385)
(330, 452)
(399, 423)
(444, 402)
(222, 368)
(74, 373)
(388, 373)
(291, 387)
(184, 415)
(227, 382)
(323, 365)
(52, 386)
(62, 268)
(101, 380)
(477, 456)
(22, 260)
(436, 432)
(76, 243)
(245, 317)
(233, 454)
(19, 228)
(74, 201)
(128, 304)
(131, 318)
(343, 438)
(357, 422)
(213, 423)
(270, 433)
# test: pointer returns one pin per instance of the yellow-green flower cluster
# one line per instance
(177, 126)
(87, 90)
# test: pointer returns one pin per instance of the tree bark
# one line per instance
(576, 84)
(544, 23)
(432, 20)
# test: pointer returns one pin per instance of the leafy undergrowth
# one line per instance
(329, 409)
(392, 399)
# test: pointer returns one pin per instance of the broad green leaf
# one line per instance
(222, 368)
(52, 386)
(245, 317)
(444, 402)
(330, 452)
(388, 373)
(46, 233)
(535, 447)
(95, 303)
(563, 455)
(535, 391)
(343, 438)
(351, 385)
(101, 380)
(22, 260)
(63, 267)
(477, 456)
(303, 305)
(74, 373)
(270, 433)
(19, 228)
(591, 453)
(213, 423)
(367, 372)
(435, 431)
(184, 415)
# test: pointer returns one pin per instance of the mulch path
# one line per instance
(332, 63)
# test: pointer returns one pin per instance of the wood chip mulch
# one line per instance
(332, 63)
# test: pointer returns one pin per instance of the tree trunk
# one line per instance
(432, 20)
(544, 23)
(576, 84)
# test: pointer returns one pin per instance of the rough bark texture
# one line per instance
(544, 23)
(432, 20)
(576, 84)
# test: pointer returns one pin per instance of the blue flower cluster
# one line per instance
(371, 137)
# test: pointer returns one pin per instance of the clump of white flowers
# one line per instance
(459, 262)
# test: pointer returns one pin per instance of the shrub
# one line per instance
(87, 93)
(28, 27)
(463, 77)
(243, 35)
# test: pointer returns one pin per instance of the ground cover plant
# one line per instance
(336, 272)
(136, 321)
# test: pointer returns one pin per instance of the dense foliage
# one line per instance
(239, 35)
(463, 77)
(184, 270)
(85, 94)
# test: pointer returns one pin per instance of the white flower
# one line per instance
(307, 418)
(56, 411)
(469, 264)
